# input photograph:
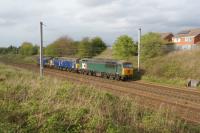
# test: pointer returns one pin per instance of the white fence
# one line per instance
(182, 47)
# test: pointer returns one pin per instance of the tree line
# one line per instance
(65, 46)
(124, 47)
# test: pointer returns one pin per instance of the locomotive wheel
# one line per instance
(117, 77)
(90, 73)
(111, 77)
(105, 76)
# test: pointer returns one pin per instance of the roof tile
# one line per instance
(190, 32)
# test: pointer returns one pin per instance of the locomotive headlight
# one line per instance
(127, 71)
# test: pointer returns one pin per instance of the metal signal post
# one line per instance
(139, 43)
(41, 49)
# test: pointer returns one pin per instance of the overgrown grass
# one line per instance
(174, 68)
(29, 104)
(165, 81)
(106, 54)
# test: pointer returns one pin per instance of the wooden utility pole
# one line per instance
(41, 49)
(139, 43)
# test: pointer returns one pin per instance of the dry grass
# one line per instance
(107, 54)
(177, 66)
(183, 64)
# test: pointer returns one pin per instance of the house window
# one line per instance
(188, 39)
(177, 39)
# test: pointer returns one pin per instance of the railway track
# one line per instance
(186, 96)
(185, 102)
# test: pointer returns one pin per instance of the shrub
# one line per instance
(63, 46)
(91, 47)
(151, 45)
(26, 49)
(124, 47)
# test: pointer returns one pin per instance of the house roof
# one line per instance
(166, 34)
(198, 42)
(190, 32)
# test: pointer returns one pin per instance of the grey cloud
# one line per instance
(94, 3)
(105, 18)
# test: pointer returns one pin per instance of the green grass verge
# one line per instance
(175, 82)
(31, 104)
(17, 58)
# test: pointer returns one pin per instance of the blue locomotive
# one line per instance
(63, 63)
(46, 61)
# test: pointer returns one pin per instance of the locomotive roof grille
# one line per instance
(106, 61)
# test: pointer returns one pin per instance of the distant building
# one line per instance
(187, 39)
(167, 36)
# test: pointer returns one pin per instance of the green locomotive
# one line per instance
(113, 69)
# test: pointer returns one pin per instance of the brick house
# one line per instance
(187, 39)
(167, 36)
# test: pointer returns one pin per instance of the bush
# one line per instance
(35, 50)
(124, 47)
(26, 49)
(63, 46)
(84, 48)
(151, 45)
(98, 45)
(10, 50)
(91, 47)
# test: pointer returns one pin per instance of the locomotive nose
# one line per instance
(128, 71)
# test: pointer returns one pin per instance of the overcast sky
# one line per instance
(19, 19)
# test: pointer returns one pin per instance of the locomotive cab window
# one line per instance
(127, 65)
